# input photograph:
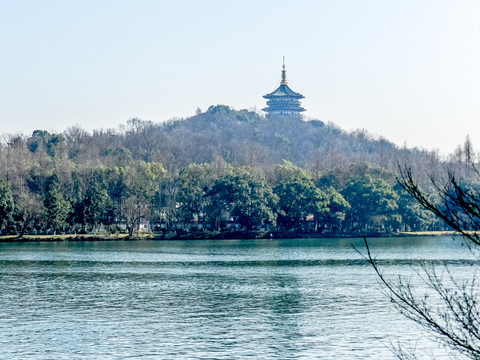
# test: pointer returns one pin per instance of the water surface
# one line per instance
(285, 299)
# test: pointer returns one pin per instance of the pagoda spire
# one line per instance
(284, 74)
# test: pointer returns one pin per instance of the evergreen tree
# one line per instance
(56, 207)
(6, 204)
(298, 196)
(373, 203)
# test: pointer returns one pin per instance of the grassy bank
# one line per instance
(205, 235)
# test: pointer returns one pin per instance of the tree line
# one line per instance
(203, 197)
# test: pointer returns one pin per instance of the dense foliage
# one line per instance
(221, 168)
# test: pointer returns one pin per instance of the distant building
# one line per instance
(283, 101)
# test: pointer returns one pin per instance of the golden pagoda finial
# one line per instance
(284, 74)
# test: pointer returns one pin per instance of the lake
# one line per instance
(222, 299)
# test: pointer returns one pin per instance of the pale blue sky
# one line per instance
(406, 70)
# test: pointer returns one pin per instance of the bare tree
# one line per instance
(446, 306)
(455, 200)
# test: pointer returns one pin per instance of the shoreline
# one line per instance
(233, 235)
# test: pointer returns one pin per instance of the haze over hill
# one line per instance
(239, 137)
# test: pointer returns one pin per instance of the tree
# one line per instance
(333, 216)
(413, 216)
(193, 184)
(298, 196)
(6, 204)
(166, 200)
(142, 138)
(96, 203)
(372, 202)
(456, 201)
(28, 208)
(449, 308)
(245, 196)
(53, 143)
(253, 201)
(57, 209)
(140, 183)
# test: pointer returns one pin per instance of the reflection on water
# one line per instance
(288, 299)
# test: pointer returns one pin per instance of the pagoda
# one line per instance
(283, 102)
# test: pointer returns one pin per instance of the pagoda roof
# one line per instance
(283, 90)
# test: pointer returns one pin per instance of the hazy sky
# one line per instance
(406, 70)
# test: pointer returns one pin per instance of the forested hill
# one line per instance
(245, 138)
(239, 137)
(196, 169)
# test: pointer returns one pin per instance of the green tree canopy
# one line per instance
(298, 196)
(245, 196)
(194, 183)
(372, 202)
(332, 216)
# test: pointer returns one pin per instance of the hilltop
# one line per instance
(238, 137)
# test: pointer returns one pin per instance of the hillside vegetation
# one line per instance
(221, 168)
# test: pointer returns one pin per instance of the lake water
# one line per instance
(285, 299)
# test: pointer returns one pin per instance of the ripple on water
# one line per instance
(299, 299)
